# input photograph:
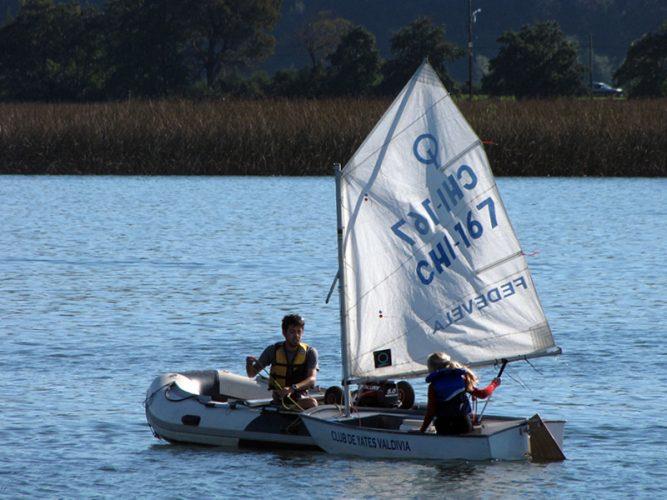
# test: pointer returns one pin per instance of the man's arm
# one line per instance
(430, 410)
(253, 365)
(308, 382)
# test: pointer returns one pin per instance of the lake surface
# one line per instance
(107, 282)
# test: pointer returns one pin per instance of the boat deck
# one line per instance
(406, 421)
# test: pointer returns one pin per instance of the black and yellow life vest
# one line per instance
(284, 373)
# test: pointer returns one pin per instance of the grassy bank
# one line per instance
(562, 137)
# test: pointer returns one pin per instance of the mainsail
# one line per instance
(430, 259)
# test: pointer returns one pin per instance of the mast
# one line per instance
(338, 172)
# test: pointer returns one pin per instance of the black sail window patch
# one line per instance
(382, 358)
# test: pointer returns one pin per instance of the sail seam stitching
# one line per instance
(499, 262)
(467, 150)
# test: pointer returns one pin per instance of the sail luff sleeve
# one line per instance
(345, 350)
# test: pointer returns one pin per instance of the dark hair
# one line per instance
(292, 320)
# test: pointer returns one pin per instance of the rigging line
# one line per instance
(347, 171)
(518, 381)
(533, 366)
(411, 257)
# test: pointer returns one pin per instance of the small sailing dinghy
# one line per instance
(429, 261)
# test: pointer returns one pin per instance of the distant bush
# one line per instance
(644, 71)
(563, 137)
(537, 61)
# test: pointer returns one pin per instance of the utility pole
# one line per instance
(470, 50)
(590, 63)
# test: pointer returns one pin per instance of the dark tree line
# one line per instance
(644, 71)
(206, 48)
(147, 48)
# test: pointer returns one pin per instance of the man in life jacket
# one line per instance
(293, 365)
(449, 385)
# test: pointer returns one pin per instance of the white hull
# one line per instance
(177, 412)
(377, 434)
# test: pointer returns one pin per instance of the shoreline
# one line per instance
(563, 137)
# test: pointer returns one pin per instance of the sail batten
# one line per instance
(430, 259)
(349, 168)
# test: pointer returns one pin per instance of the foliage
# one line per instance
(239, 86)
(145, 45)
(538, 61)
(291, 83)
(321, 36)
(355, 65)
(410, 45)
(644, 71)
(228, 35)
(51, 52)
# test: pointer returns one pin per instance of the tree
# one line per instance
(146, 46)
(644, 71)
(355, 65)
(538, 61)
(51, 52)
(321, 36)
(305, 82)
(410, 45)
(228, 35)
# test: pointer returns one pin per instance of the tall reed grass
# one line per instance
(561, 137)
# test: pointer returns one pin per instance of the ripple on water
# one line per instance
(110, 281)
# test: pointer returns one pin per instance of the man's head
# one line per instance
(293, 329)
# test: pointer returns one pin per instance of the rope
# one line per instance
(483, 409)
(533, 366)
(282, 401)
(518, 381)
(149, 398)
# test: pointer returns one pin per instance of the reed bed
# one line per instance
(531, 138)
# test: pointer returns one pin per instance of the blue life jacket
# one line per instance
(449, 386)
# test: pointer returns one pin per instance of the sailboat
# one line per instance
(429, 262)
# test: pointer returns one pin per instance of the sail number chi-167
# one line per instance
(448, 195)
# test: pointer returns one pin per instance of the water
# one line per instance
(106, 282)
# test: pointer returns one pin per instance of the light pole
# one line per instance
(472, 17)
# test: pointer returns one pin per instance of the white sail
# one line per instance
(431, 261)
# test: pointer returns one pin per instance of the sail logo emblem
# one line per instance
(425, 149)
(382, 358)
